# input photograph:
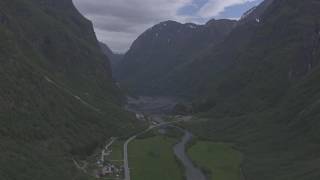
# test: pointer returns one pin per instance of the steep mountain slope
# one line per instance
(162, 49)
(115, 59)
(57, 97)
(260, 90)
(258, 58)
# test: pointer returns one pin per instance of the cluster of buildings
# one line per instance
(108, 170)
(105, 167)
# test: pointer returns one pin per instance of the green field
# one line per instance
(220, 160)
(153, 159)
(116, 157)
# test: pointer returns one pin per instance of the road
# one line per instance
(106, 151)
(125, 155)
(125, 146)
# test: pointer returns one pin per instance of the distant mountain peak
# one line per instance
(211, 21)
(166, 46)
(114, 58)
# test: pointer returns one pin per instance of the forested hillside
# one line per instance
(58, 100)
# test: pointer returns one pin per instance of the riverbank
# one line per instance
(191, 171)
(176, 150)
(198, 160)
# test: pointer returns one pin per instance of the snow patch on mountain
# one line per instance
(192, 26)
(246, 14)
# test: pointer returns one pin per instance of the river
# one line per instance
(191, 171)
(157, 108)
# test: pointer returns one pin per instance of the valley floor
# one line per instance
(153, 158)
(165, 151)
(219, 160)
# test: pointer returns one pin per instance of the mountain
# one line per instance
(58, 100)
(163, 49)
(263, 58)
(256, 88)
(259, 89)
(115, 59)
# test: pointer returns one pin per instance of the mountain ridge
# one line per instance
(166, 46)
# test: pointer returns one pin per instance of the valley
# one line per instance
(164, 146)
(132, 95)
(250, 86)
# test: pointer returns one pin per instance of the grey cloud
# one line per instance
(119, 22)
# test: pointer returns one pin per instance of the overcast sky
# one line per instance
(119, 22)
